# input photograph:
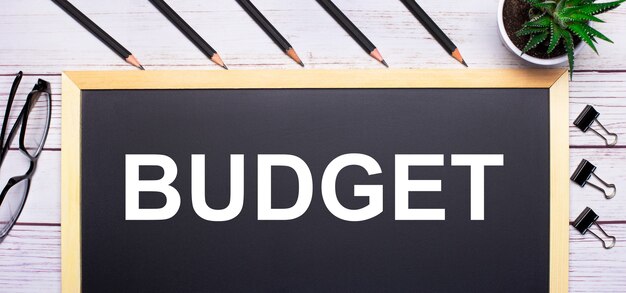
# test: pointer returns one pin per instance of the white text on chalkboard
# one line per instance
(403, 185)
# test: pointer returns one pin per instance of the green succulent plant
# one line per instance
(556, 22)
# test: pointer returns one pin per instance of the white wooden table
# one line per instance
(40, 39)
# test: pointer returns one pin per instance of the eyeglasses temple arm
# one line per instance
(16, 83)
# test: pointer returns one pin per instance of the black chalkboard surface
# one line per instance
(507, 249)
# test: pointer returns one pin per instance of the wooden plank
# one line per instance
(605, 90)
(381, 78)
(43, 205)
(559, 187)
(71, 186)
(595, 269)
(30, 258)
(317, 38)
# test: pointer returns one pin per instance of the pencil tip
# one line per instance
(292, 54)
(134, 62)
(218, 60)
(376, 55)
(457, 55)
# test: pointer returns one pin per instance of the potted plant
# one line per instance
(549, 32)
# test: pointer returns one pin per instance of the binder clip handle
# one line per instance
(608, 186)
(608, 133)
(613, 239)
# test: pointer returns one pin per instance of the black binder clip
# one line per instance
(583, 173)
(587, 117)
(585, 220)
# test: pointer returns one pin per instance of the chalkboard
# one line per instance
(413, 235)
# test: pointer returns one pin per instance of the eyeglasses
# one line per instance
(17, 167)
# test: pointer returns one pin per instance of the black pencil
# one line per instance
(98, 32)
(434, 30)
(270, 30)
(352, 30)
(189, 32)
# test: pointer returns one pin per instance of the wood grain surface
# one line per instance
(40, 39)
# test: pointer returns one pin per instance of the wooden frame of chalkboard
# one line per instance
(556, 81)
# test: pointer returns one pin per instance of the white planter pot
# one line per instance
(504, 37)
